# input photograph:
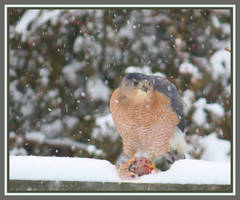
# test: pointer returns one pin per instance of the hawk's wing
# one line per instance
(164, 86)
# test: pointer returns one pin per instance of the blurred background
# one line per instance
(64, 65)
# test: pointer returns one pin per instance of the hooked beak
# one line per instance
(145, 87)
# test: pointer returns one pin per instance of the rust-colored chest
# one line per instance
(145, 116)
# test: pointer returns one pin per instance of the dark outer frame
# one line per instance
(125, 2)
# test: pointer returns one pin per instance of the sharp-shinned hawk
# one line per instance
(148, 113)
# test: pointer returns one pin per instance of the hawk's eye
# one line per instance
(135, 83)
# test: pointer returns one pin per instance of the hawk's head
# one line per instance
(136, 86)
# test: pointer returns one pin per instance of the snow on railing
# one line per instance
(188, 171)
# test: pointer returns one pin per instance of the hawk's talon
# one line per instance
(125, 170)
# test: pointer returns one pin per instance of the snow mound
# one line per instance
(186, 171)
(61, 168)
(39, 17)
(105, 128)
(97, 89)
(191, 171)
(200, 116)
(221, 65)
(26, 19)
(215, 149)
(189, 68)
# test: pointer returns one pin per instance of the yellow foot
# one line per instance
(124, 170)
(153, 165)
(154, 168)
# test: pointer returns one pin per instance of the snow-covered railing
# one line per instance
(32, 173)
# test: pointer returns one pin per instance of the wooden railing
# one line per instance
(78, 186)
